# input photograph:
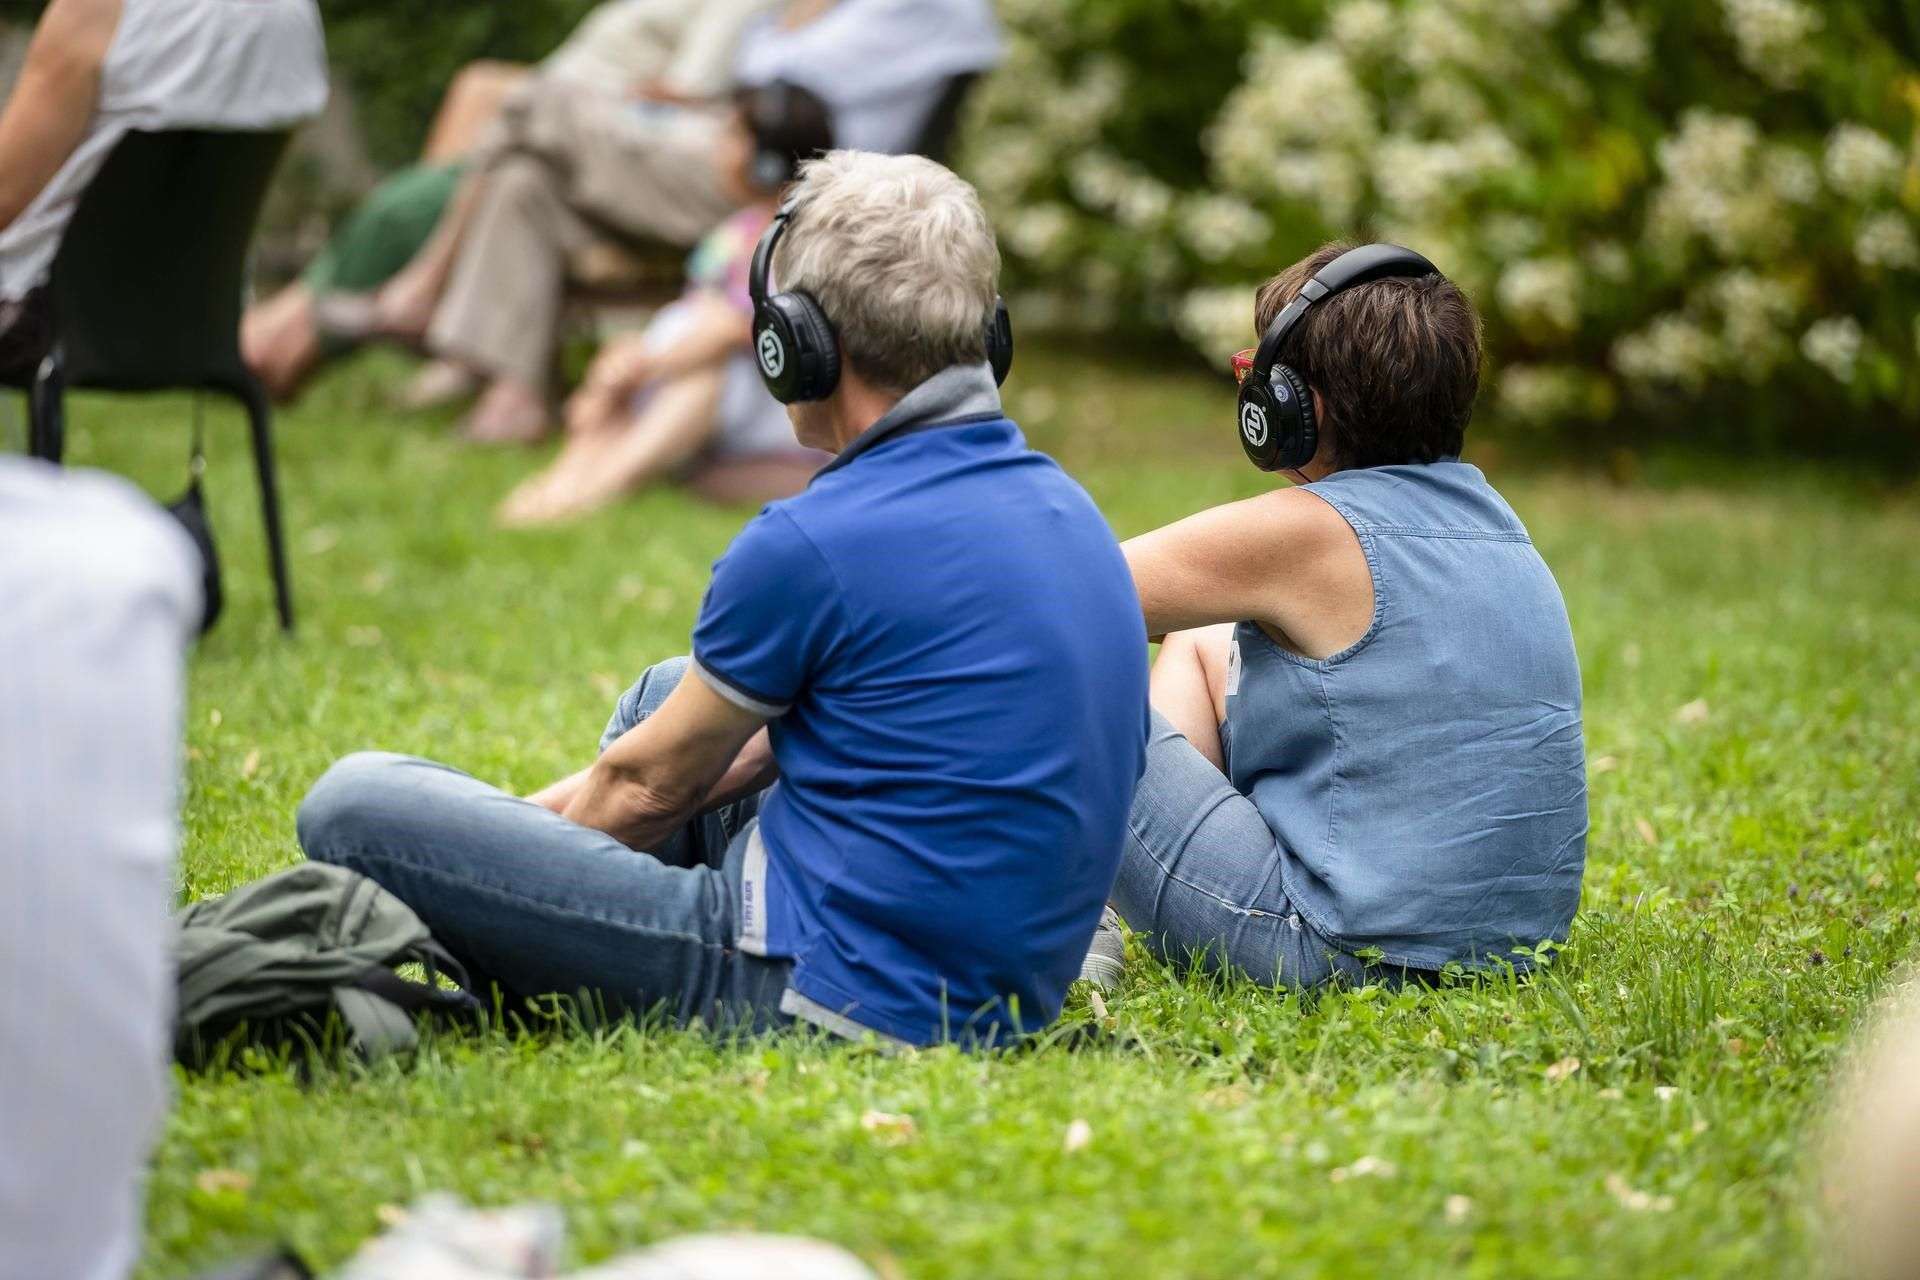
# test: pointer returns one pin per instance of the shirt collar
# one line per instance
(958, 392)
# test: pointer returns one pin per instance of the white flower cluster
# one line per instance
(1040, 232)
(1860, 163)
(1886, 240)
(1218, 228)
(1616, 40)
(1712, 188)
(1755, 312)
(1292, 129)
(1672, 350)
(1218, 321)
(1365, 29)
(1834, 344)
(1538, 292)
(1541, 13)
(1772, 38)
(1609, 261)
(1546, 393)
(1104, 183)
(1440, 37)
(1790, 173)
(1460, 127)
(1419, 179)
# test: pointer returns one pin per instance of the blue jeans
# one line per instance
(542, 905)
(1200, 876)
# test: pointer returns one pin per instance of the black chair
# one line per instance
(148, 286)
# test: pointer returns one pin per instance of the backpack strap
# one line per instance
(380, 1005)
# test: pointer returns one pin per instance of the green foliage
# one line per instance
(1749, 891)
(399, 58)
(1680, 221)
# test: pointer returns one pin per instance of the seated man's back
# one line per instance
(955, 643)
(940, 640)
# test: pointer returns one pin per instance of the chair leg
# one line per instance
(47, 410)
(260, 418)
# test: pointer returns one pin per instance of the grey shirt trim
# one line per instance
(795, 1005)
(738, 697)
(957, 393)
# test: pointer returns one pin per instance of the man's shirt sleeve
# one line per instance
(769, 617)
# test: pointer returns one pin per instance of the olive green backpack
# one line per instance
(276, 959)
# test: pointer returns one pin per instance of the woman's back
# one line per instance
(1427, 784)
(177, 64)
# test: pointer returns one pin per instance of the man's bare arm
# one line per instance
(752, 770)
(661, 772)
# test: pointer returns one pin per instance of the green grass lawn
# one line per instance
(1751, 884)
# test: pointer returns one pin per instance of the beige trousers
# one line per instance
(564, 167)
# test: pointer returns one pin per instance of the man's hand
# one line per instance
(665, 769)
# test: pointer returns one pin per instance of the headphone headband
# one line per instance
(762, 261)
(1363, 265)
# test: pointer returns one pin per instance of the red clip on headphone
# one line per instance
(1277, 425)
(794, 343)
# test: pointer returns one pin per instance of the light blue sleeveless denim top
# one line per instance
(1428, 784)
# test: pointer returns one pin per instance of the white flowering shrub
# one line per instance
(1692, 218)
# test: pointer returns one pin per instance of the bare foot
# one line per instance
(555, 501)
(279, 342)
(527, 502)
(437, 384)
(509, 413)
(579, 481)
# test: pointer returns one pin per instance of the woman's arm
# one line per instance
(1284, 559)
(54, 98)
(714, 330)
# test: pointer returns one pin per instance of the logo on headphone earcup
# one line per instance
(1253, 423)
(772, 353)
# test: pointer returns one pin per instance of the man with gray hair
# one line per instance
(890, 799)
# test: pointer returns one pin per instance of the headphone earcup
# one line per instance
(794, 347)
(1000, 341)
(1300, 435)
(1277, 427)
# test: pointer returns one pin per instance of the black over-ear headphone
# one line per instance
(794, 344)
(1277, 424)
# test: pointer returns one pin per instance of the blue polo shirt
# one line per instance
(949, 643)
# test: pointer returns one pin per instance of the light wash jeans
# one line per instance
(542, 905)
(1200, 876)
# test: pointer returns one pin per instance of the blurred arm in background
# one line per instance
(54, 98)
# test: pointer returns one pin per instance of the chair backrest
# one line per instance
(936, 136)
(147, 286)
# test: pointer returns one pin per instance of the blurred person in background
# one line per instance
(1367, 751)
(666, 53)
(684, 393)
(1872, 1154)
(102, 595)
(485, 292)
(97, 69)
